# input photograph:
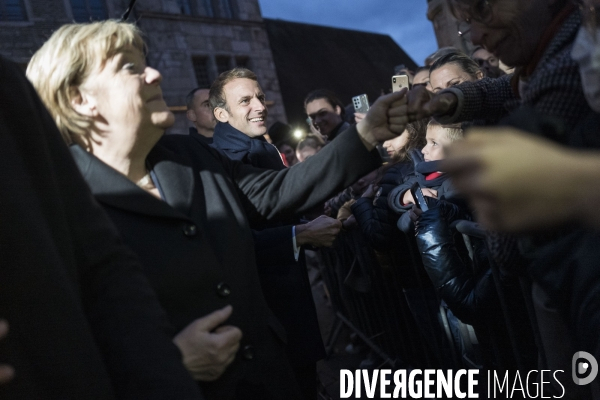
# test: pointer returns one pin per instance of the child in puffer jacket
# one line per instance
(433, 183)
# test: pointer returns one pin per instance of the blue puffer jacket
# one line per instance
(467, 287)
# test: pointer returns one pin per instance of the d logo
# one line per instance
(584, 364)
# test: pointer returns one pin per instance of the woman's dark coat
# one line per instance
(84, 321)
(197, 248)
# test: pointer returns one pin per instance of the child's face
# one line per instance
(437, 139)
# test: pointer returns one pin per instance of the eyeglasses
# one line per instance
(478, 10)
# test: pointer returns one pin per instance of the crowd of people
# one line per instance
(139, 265)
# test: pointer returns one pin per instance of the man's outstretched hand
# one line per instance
(320, 232)
(385, 120)
(421, 103)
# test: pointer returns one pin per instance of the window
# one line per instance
(242, 62)
(223, 63)
(185, 7)
(88, 10)
(201, 71)
(12, 10)
(226, 9)
(207, 8)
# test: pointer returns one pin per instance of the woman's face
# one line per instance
(125, 97)
(447, 76)
(393, 146)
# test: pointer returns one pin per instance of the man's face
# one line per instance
(323, 115)
(246, 103)
(509, 29)
(201, 113)
(488, 63)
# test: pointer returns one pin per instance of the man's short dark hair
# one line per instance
(329, 96)
(189, 99)
(217, 96)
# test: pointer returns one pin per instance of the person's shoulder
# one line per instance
(187, 144)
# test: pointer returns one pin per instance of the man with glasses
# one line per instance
(536, 37)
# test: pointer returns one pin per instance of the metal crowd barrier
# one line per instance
(369, 294)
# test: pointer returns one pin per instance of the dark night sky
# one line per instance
(404, 20)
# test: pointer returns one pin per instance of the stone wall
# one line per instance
(173, 39)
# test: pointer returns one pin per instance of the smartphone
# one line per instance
(417, 194)
(399, 82)
(309, 122)
(361, 103)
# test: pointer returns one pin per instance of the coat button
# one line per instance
(223, 289)
(190, 230)
(248, 352)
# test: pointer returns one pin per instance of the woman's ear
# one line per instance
(221, 114)
(480, 74)
(83, 103)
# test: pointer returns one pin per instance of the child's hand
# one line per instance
(407, 198)
(429, 193)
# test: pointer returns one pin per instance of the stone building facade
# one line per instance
(189, 41)
(447, 28)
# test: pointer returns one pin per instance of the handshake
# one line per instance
(388, 116)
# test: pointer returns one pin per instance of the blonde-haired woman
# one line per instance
(181, 206)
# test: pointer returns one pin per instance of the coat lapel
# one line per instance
(112, 188)
(175, 177)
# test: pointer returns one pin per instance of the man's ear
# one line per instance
(338, 110)
(221, 114)
(83, 103)
(191, 115)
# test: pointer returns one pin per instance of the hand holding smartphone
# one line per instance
(399, 82)
(417, 194)
(361, 103)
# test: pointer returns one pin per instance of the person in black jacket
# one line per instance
(84, 321)
(285, 284)
(182, 206)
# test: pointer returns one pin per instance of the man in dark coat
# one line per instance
(84, 322)
(286, 289)
(196, 246)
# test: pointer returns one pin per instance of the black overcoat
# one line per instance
(84, 321)
(197, 248)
